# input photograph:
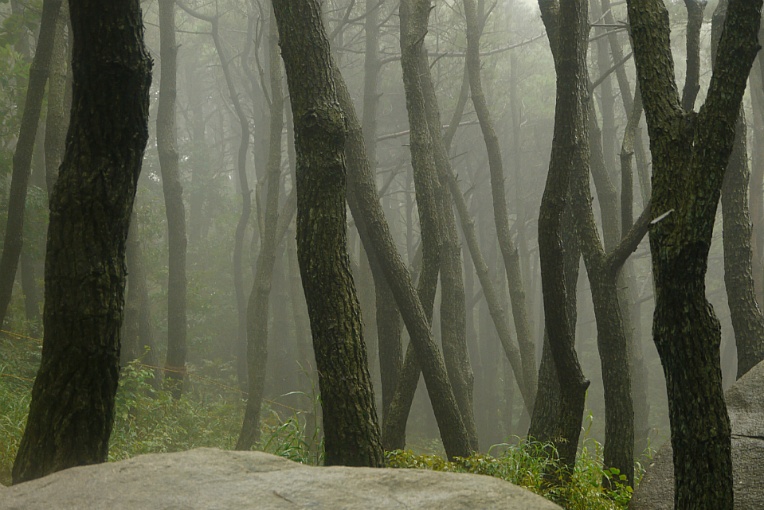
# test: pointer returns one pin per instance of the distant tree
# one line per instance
(259, 299)
(72, 409)
(22, 156)
(350, 419)
(690, 154)
(175, 211)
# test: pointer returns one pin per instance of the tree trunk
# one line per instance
(567, 29)
(175, 363)
(259, 298)
(72, 408)
(690, 154)
(56, 118)
(511, 259)
(363, 200)
(350, 419)
(22, 156)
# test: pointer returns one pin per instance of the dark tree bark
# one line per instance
(690, 154)
(747, 319)
(56, 118)
(259, 297)
(175, 362)
(22, 156)
(72, 408)
(567, 28)
(350, 419)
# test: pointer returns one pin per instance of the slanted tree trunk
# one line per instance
(259, 298)
(453, 320)
(527, 383)
(72, 408)
(22, 156)
(690, 154)
(350, 419)
(363, 200)
(175, 362)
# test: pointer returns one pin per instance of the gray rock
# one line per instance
(745, 405)
(212, 479)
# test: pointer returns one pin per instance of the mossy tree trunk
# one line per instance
(350, 418)
(72, 408)
(690, 154)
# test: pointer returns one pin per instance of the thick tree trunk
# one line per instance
(350, 419)
(175, 362)
(72, 408)
(56, 118)
(567, 28)
(690, 153)
(22, 156)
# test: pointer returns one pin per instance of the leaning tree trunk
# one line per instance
(22, 156)
(690, 154)
(259, 298)
(363, 200)
(527, 383)
(175, 362)
(72, 408)
(56, 116)
(350, 419)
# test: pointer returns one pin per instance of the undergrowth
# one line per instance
(149, 420)
(536, 467)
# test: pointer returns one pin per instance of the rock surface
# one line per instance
(212, 479)
(745, 404)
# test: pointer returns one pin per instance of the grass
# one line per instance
(210, 414)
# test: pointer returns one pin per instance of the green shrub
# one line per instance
(536, 467)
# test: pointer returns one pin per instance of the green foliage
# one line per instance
(536, 467)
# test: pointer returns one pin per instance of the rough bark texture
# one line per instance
(526, 382)
(259, 298)
(350, 419)
(22, 156)
(175, 362)
(56, 118)
(72, 408)
(690, 154)
(566, 29)
(545, 419)
(747, 319)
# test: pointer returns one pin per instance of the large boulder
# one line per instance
(745, 404)
(213, 479)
